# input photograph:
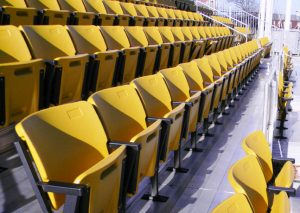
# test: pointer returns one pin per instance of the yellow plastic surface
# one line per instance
(72, 5)
(57, 136)
(13, 3)
(240, 177)
(141, 10)
(96, 6)
(128, 8)
(123, 104)
(237, 203)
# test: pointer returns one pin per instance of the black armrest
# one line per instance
(166, 120)
(63, 188)
(116, 144)
(51, 62)
(176, 103)
(276, 190)
(282, 160)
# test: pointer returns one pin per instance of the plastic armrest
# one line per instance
(117, 144)
(276, 190)
(282, 160)
(168, 121)
(176, 103)
(63, 188)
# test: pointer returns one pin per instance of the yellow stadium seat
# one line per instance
(98, 7)
(186, 45)
(154, 13)
(141, 10)
(114, 7)
(235, 204)
(69, 150)
(197, 47)
(16, 13)
(240, 176)
(171, 15)
(79, 14)
(104, 62)
(279, 172)
(51, 12)
(21, 77)
(65, 70)
(163, 14)
(116, 39)
(157, 101)
(123, 104)
(148, 54)
(175, 52)
(129, 9)
(154, 38)
(196, 83)
(180, 93)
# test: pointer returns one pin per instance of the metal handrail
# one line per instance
(206, 16)
(211, 8)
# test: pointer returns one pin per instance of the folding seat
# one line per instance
(199, 17)
(50, 12)
(186, 45)
(154, 13)
(171, 15)
(194, 21)
(219, 35)
(186, 18)
(141, 10)
(65, 70)
(210, 43)
(196, 83)
(98, 7)
(278, 172)
(208, 78)
(235, 204)
(179, 16)
(16, 13)
(65, 151)
(219, 73)
(147, 59)
(181, 93)
(211, 35)
(196, 36)
(103, 62)
(157, 101)
(116, 39)
(129, 9)
(163, 14)
(20, 78)
(154, 38)
(232, 37)
(287, 63)
(259, 195)
(79, 14)
(197, 47)
(175, 52)
(122, 104)
(231, 55)
(114, 7)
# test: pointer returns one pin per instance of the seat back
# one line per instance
(72, 5)
(222, 60)
(166, 34)
(141, 10)
(234, 204)
(193, 75)
(72, 137)
(43, 4)
(162, 12)
(136, 36)
(214, 64)
(49, 42)
(195, 32)
(13, 3)
(206, 71)
(202, 32)
(128, 8)
(228, 58)
(257, 145)
(95, 6)
(170, 13)
(113, 7)
(240, 177)
(115, 37)
(152, 11)
(153, 35)
(19, 77)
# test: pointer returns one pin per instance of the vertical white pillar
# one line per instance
(269, 18)
(288, 10)
(262, 16)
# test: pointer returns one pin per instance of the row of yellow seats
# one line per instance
(268, 190)
(64, 64)
(244, 30)
(157, 3)
(267, 45)
(287, 63)
(79, 148)
(223, 19)
(97, 12)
